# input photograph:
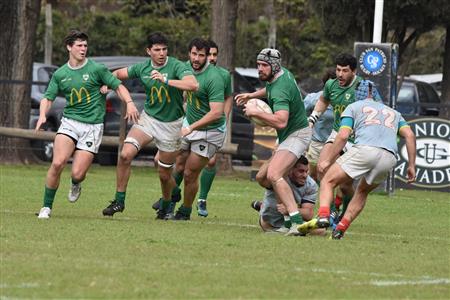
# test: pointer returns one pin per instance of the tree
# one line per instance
(19, 22)
(404, 23)
(223, 32)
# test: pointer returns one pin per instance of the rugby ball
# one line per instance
(262, 106)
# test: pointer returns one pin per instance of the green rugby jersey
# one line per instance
(227, 78)
(339, 97)
(164, 103)
(81, 88)
(211, 89)
(284, 94)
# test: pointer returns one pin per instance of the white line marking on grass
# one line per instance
(410, 282)
(24, 285)
(396, 236)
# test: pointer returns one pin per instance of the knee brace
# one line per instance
(132, 141)
(164, 165)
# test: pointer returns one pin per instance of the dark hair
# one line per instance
(346, 59)
(199, 44)
(213, 44)
(302, 160)
(74, 35)
(156, 38)
(330, 73)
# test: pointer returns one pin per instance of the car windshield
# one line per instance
(406, 99)
(44, 75)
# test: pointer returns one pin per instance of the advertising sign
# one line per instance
(433, 155)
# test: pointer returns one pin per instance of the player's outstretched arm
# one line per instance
(132, 113)
(410, 142)
(44, 107)
(187, 83)
(121, 74)
(241, 99)
(336, 148)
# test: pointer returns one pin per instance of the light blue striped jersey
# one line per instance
(323, 127)
(374, 124)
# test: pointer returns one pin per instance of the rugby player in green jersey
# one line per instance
(164, 79)
(203, 131)
(81, 130)
(289, 119)
(209, 172)
(339, 93)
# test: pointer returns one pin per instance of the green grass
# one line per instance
(397, 248)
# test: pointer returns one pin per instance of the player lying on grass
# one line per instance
(374, 154)
(273, 216)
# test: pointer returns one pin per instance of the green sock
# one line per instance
(176, 190)
(74, 182)
(296, 218)
(185, 210)
(345, 201)
(287, 222)
(120, 197)
(332, 206)
(165, 204)
(206, 180)
(49, 197)
(178, 178)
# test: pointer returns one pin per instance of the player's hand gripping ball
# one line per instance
(261, 106)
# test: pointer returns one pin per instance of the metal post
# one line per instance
(378, 21)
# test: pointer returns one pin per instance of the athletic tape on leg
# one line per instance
(133, 141)
(164, 165)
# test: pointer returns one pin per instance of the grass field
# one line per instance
(397, 249)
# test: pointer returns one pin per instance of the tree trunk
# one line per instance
(19, 23)
(223, 32)
(445, 97)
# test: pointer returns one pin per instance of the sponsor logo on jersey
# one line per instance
(158, 93)
(433, 153)
(79, 95)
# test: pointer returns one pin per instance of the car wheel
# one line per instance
(44, 149)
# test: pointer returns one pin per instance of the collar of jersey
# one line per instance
(278, 75)
(79, 67)
(159, 67)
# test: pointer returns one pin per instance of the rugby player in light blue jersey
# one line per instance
(374, 154)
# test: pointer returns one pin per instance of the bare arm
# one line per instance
(277, 120)
(188, 83)
(410, 142)
(336, 148)
(307, 211)
(132, 112)
(213, 115)
(44, 107)
(241, 99)
(228, 106)
(121, 74)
